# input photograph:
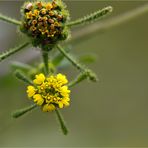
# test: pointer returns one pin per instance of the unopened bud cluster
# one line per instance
(45, 22)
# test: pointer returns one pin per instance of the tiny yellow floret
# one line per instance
(39, 79)
(30, 91)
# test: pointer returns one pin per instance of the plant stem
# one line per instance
(12, 51)
(70, 58)
(78, 79)
(9, 20)
(62, 122)
(21, 76)
(20, 112)
(102, 26)
(45, 60)
(80, 67)
(91, 17)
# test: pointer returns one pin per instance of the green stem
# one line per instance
(21, 76)
(70, 58)
(9, 20)
(105, 25)
(78, 79)
(45, 60)
(20, 112)
(62, 122)
(12, 51)
(80, 67)
(91, 17)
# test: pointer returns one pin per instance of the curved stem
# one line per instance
(102, 26)
(9, 20)
(91, 17)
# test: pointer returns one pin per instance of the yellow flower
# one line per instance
(29, 15)
(49, 6)
(36, 12)
(43, 11)
(51, 92)
(38, 99)
(48, 107)
(62, 79)
(39, 79)
(30, 91)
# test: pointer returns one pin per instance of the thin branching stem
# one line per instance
(91, 17)
(104, 25)
(9, 20)
(78, 79)
(20, 112)
(9, 52)
(62, 122)
(70, 58)
(80, 67)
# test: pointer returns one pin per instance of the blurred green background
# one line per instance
(112, 112)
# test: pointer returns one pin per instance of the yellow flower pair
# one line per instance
(49, 92)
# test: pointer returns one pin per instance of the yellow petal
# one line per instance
(39, 79)
(38, 99)
(60, 104)
(48, 107)
(30, 91)
(62, 78)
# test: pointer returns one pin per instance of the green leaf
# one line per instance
(87, 59)
(21, 76)
(21, 66)
(20, 112)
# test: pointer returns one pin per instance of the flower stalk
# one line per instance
(9, 20)
(91, 17)
(45, 61)
(80, 67)
(8, 53)
(62, 122)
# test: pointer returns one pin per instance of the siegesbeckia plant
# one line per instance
(46, 24)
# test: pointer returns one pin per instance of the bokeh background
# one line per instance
(112, 112)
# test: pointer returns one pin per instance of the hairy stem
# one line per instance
(20, 112)
(78, 79)
(9, 52)
(62, 122)
(80, 67)
(21, 76)
(102, 26)
(91, 17)
(9, 20)
(45, 61)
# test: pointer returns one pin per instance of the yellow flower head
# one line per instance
(49, 92)
(45, 14)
